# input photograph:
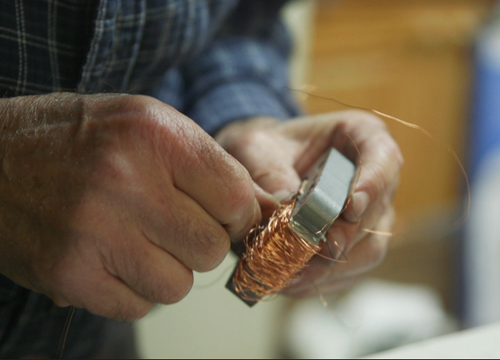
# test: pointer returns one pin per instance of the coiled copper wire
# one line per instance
(274, 256)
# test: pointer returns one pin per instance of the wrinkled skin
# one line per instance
(110, 202)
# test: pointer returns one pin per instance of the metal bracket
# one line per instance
(321, 199)
(322, 196)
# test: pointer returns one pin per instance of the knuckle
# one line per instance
(139, 311)
(367, 118)
(248, 140)
(257, 137)
(214, 256)
(374, 120)
(279, 177)
(130, 312)
(131, 115)
(141, 116)
(209, 247)
(138, 105)
(178, 291)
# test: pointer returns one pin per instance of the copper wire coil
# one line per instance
(274, 256)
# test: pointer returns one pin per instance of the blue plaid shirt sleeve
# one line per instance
(244, 72)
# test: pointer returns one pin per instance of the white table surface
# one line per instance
(476, 343)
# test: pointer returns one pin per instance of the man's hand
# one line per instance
(278, 154)
(109, 202)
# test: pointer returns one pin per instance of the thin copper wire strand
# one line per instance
(383, 233)
(461, 221)
(342, 254)
(274, 256)
(64, 336)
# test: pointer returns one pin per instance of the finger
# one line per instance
(268, 203)
(380, 165)
(208, 174)
(105, 295)
(270, 162)
(365, 255)
(343, 235)
(153, 273)
(118, 302)
(371, 221)
(339, 238)
(187, 231)
(268, 206)
(361, 137)
(169, 219)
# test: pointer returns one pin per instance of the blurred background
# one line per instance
(435, 63)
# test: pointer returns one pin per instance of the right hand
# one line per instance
(109, 202)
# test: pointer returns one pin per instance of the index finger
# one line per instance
(203, 170)
(379, 164)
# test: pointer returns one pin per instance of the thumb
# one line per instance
(275, 175)
(268, 203)
(269, 160)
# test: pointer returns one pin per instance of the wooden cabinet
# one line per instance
(411, 59)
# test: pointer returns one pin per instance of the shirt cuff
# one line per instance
(241, 100)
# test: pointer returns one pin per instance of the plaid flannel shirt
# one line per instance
(214, 60)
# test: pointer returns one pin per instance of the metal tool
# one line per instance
(321, 199)
(322, 196)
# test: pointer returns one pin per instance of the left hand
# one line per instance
(277, 155)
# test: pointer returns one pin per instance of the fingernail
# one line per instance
(360, 201)
(281, 194)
